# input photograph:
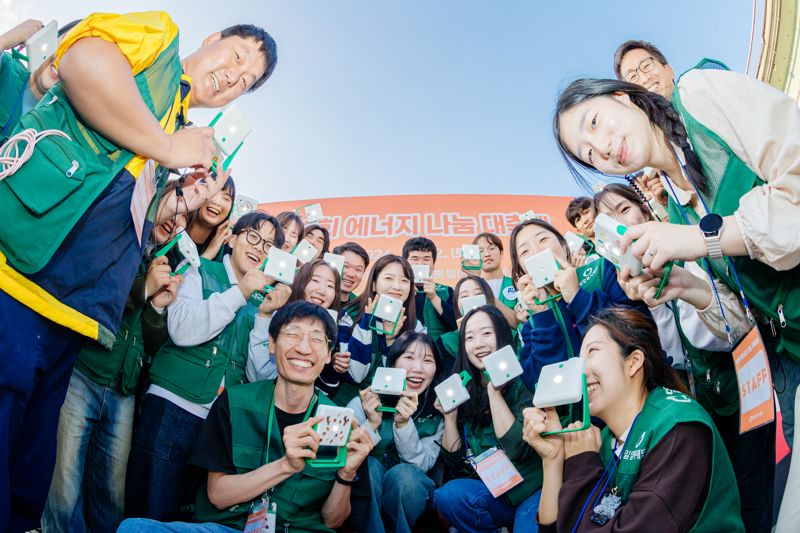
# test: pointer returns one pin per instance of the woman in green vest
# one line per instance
(692, 333)
(727, 150)
(390, 275)
(406, 441)
(467, 286)
(659, 465)
(212, 226)
(491, 248)
(488, 427)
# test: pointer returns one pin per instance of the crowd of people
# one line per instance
(141, 391)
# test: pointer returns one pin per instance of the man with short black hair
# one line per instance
(70, 254)
(434, 303)
(640, 62)
(258, 437)
(580, 214)
(356, 261)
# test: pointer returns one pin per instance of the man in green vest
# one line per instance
(434, 301)
(642, 63)
(356, 261)
(258, 437)
(78, 221)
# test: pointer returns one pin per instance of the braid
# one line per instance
(631, 179)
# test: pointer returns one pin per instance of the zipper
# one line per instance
(69, 173)
(781, 317)
(214, 351)
(208, 363)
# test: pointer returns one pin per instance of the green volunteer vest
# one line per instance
(450, 343)
(662, 411)
(125, 360)
(195, 373)
(13, 77)
(714, 375)
(48, 195)
(481, 439)
(431, 319)
(508, 294)
(776, 294)
(299, 498)
(426, 427)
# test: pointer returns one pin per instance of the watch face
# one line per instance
(711, 223)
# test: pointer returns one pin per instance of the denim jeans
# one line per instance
(36, 359)
(401, 493)
(468, 506)
(160, 483)
(94, 439)
(145, 525)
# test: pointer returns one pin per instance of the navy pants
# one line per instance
(160, 483)
(36, 359)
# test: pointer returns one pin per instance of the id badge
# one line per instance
(262, 517)
(756, 401)
(497, 472)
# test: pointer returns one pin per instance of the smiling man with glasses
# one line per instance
(640, 62)
(257, 438)
(217, 324)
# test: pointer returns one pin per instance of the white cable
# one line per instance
(10, 157)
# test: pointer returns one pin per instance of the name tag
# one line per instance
(497, 471)
(756, 401)
(262, 518)
(143, 193)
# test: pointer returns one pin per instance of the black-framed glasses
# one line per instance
(645, 66)
(255, 239)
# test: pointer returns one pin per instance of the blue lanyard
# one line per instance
(705, 260)
(607, 475)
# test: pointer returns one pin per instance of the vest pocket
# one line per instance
(56, 169)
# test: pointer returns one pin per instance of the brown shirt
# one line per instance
(668, 496)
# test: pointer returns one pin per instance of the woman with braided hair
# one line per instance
(729, 147)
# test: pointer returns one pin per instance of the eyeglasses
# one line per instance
(317, 340)
(255, 239)
(645, 66)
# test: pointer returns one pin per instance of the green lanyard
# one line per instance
(270, 421)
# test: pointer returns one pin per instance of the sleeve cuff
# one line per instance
(577, 465)
(580, 302)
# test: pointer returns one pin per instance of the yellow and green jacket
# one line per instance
(72, 251)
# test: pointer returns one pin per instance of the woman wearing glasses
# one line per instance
(215, 325)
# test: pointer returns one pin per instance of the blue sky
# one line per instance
(378, 97)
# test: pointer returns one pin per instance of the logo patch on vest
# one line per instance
(510, 293)
(675, 396)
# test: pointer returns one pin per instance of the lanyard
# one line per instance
(607, 474)
(705, 261)
(270, 421)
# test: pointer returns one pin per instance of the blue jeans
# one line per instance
(401, 492)
(94, 439)
(468, 506)
(145, 525)
(160, 483)
(36, 359)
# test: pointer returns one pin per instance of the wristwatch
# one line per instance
(344, 482)
(711, 228)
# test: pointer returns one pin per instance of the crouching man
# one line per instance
(257, 438)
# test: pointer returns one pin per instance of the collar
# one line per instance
(226, 260)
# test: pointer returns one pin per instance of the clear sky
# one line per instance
(375, 97)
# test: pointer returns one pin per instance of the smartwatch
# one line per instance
(711, 228)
